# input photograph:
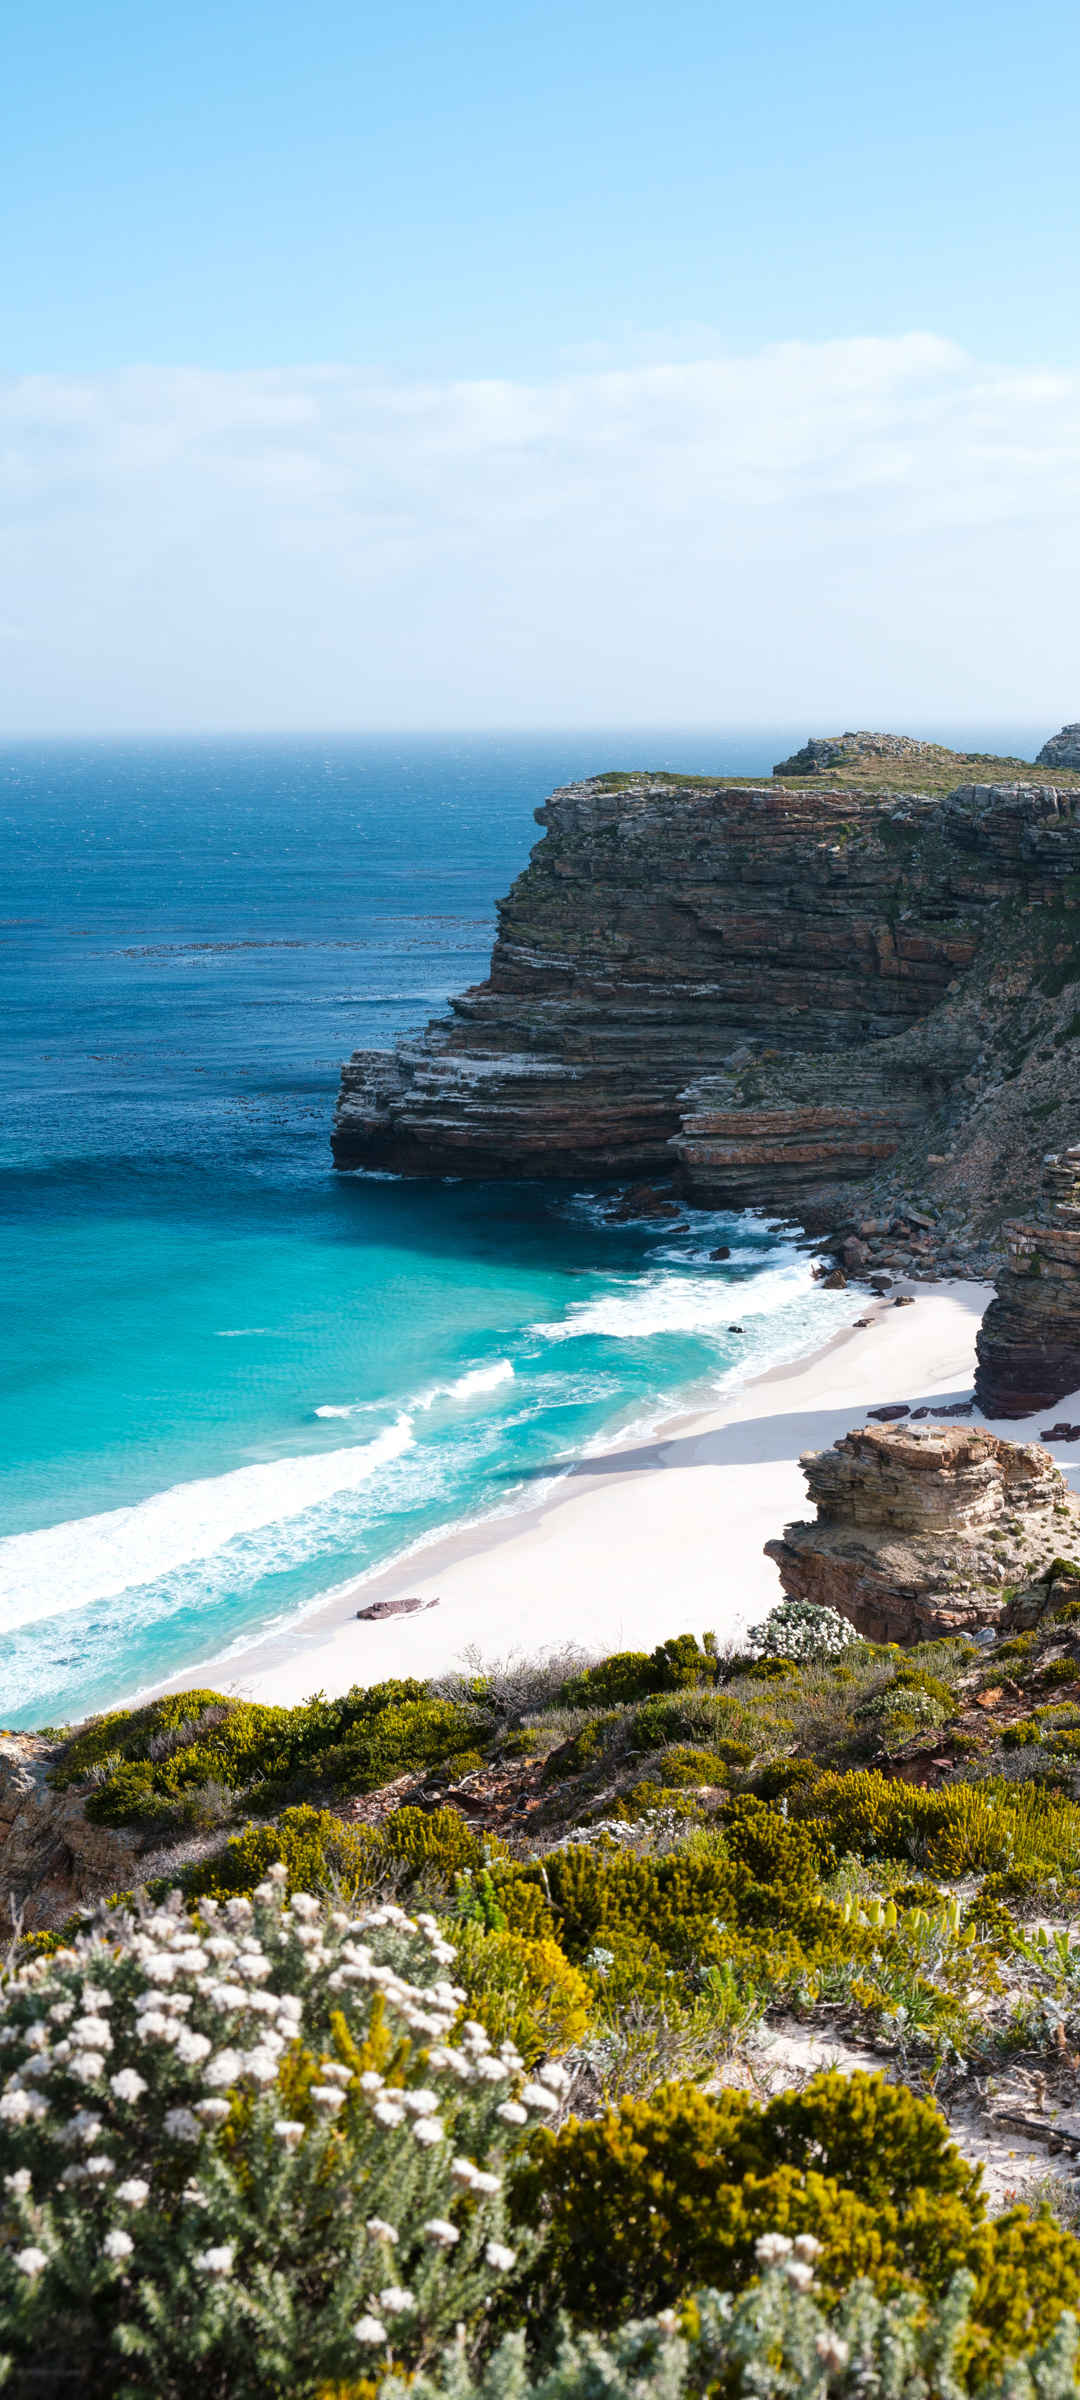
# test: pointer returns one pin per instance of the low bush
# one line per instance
(782, 2338)
(961, 1829)
(311, 1845)
(146, 1759)
(631, 1675)
(242, 2156)
(801, 1630)
(658, 2195)
(683, 1767)
(1059, 1670)
(522, 1990)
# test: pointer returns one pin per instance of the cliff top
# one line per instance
(891, 763)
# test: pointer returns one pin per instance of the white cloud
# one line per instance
(875, 528)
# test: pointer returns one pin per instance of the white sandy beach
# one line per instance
(638, 1541)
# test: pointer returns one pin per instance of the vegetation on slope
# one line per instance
(625, 1867)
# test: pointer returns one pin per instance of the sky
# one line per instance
(538, 365)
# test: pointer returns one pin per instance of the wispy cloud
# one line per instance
(874, 525)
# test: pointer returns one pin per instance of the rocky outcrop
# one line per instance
(924, 1530)
(756, 983)
(821, 754)
(51, 1859)
(1029, 1340)
(1062, 750)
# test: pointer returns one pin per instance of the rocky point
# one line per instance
(923, 1530)
(847, 985)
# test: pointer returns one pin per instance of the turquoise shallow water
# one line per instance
(230, 1377)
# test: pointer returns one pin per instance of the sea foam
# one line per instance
(68, 1566)
(667, 1303)
(470, 1386)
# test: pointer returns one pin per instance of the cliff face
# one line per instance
(1029, 1340)
(922, 1530)
(779, 989)
(51, 1858)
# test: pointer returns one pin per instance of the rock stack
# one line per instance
(924, 1530)
(1029, 1340)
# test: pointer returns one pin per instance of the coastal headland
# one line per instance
(845, 992)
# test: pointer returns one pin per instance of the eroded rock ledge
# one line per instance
(926, 1530)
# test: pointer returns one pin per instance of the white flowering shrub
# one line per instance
(800, 1630)
(775, 2342)
(241, 2153)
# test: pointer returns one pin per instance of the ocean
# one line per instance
(230, 1377)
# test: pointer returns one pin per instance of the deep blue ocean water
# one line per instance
(231, 1378)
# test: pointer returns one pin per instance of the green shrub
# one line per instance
(272, 1755)
(582, 1750)
(684, 1767)
(777, 2340)
(904, 1709)
(521, 1991)
(631, 1675)
(312, 1845)
(663, 2193)
(256, 2153)
(759, 1872)
(918, 1679)
(127, 1733)
(615, 1682)
(434, 1845)
(960, 1829)
(648, 2200)
(1059, 1670)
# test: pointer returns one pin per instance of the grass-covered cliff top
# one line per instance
(867, 762)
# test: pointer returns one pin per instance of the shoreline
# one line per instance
(631, 1543)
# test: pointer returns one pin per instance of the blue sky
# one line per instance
(526, 364)
(483, 190)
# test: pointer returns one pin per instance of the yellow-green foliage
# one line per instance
(433, 1846)
(961, 1829)
(521, 1991)
(760, 1873)
(128, 1732)
(684, 1766)
(582, 1750)
(312, 1844)
(413, 1847)
(158, 1754)
(1059, 1670)
(631, 1675)
(661, 2195)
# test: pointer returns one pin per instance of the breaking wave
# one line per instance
(68, 1566)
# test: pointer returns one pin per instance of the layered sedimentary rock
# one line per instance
(923, 1530)
(1029, 1340)
(749, 982)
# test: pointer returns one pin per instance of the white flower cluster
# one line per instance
(801, 1630)
(129, 2055)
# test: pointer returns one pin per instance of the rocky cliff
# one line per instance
(52, 1858)
(926, 1530)
(782, 990)
(1029, 1340)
